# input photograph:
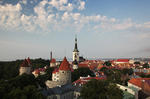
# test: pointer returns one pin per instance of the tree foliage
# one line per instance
(127, 71)
(144, 75)
(42, 78)
(113, 75)
(10, 69)
(107, 63)
(100, 89)
(20, 87)
(82, 71)
(146, 65)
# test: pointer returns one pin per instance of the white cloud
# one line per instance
(81, 5)
(23, 1)
(47, 19)
(9, 15)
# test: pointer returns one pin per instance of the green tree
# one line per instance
(42, 78)
(100, 89)
(107, 63)
(127, 71)
(113, 75)
(20, 87)
(146, 65)
(137, 62)
(84, 72)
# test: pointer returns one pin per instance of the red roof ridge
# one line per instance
(65, 65)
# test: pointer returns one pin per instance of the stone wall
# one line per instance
(52, 84)
(23, 70)
(65, 76)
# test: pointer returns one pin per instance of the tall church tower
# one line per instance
(76, 52)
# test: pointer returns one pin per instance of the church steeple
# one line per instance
(76, 47)
(76, 51)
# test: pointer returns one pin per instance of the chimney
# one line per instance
(51, 55)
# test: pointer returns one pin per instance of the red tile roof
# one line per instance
(122, 60)
(25, 63)
(55, 70)
(138, 81)
(83, 65)
(37, 71)
(53, 60)
(84, 80)
(29, 61)
(65, 65)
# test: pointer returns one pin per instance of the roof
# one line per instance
(138, 81)
(82, 65)
(148, 82)
(122, 60)
(29, 61)
(53, 60)
(84, 80)
(65, 65)
(37, 71)
(55, 70)
(25, 63)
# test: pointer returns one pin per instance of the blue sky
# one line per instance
(104, 28)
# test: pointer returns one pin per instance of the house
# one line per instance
(25, 67)
(140, 84)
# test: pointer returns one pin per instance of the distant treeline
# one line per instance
(10, 69)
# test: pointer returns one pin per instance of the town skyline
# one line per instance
(105, 29)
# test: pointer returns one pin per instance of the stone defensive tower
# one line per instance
(61, 75)
(65, 72)
(25, 67)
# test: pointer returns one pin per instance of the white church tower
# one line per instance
(76, 52)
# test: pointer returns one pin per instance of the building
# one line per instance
(60, 76)
(75, 64)
(121, 61)
(39, 71)
(53, 62)
(25, 67)
(76, 52)
(81, 81)
(60, 87)
(140, 85)
(60, 92)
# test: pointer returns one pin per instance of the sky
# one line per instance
(104, 28)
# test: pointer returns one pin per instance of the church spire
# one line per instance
(76, 47)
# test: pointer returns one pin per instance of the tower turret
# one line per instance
(25, 67)
(65, 72)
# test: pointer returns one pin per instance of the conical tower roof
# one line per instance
(65, 65)
(24, 63)
(29, 61)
